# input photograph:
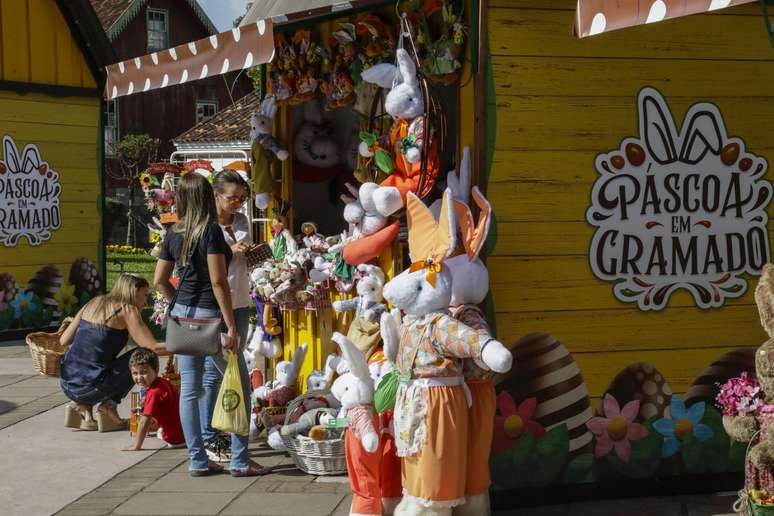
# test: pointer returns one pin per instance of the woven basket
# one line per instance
(314, 457)
(757, 509)
(47, 351)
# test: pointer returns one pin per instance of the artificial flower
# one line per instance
(146, 180)
(740, 396)
(65, 297)
(617, 429)
(23, 302)
(513, 421)
(681, 423)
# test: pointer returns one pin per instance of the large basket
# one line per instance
(47, 351)
(314, 457)
(756, 509)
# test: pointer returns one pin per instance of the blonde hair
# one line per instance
(196, 208)
(123, 293)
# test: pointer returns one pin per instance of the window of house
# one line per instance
(158, 29)
(205, 109)
(110, 125)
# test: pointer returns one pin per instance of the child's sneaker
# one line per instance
(219, 449)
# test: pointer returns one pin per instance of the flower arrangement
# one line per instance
(160, 306)
(740, 396)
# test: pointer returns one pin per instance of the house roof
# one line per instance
(283, 11)
(84, 25)
(229, 125)
(115, 15)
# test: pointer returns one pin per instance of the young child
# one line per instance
(161, 401)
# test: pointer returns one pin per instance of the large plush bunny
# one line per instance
(405, 104)
(355, 391)
(431, 409)
(469, 289)
(264, 149)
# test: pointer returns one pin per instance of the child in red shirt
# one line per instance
(161, 401)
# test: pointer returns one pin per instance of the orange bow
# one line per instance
(431, 266)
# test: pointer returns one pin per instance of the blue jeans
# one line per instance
(192, 389)
(214, 367)
(114, 385)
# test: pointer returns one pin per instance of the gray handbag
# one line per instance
(192, 336)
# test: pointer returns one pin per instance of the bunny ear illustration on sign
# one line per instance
(12, 159)
(702, 134)
(473, 235)
(430, 240)
(657, 127)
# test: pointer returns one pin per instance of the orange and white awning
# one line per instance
(598, 16)
(235, 49)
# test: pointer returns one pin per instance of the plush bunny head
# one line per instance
(404, 101)
(316, 381)
(356, 387)
(314, 143)
(426, 286)
(471, 279)
(261, 122)
(371, 284)
(287, 372)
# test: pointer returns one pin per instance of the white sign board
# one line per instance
(679, 208)
(29, 196)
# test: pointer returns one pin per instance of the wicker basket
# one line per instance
(314, 457)
(47, 351)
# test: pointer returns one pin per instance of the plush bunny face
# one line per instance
(405, 102)
(353, 392)
(316, 381)
(370, 286)
(284, 372)
(315, 146)
(470, 283)
(410, 292)
(259, 125)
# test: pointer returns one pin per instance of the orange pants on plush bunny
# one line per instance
(364, 470)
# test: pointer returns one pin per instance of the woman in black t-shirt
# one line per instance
(204, 292)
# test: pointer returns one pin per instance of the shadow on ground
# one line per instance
(6, 406)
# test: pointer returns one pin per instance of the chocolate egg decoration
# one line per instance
(618, 162)
(7, 288)
(635, 154)
(729, 154)
(85, 277)
(644, 383)
(544, 369)
(45, 284)
(732, 364)
(745, 164)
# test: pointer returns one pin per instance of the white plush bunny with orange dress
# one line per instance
(431, 409)
(469, 289)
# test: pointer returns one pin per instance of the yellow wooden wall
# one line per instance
(65, 129)
(560, 102)
(36, 46)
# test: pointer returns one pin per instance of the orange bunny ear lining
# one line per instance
(428, 239)
(473, 235)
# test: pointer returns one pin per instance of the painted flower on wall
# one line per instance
(23, 302)
(513, 421)
(65, 298)
(680, 424)
(617, 429)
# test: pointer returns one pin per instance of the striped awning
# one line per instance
(598, 16)
(235, 49)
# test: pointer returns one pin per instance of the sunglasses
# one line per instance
(234, 199)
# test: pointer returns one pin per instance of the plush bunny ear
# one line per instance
(408, 69)
(298, 359)
(358, 365)
(382, 74)
(427, 238)
(657, 128)
(473, 235)
(269, 107)
(460, 183)
(701, 136)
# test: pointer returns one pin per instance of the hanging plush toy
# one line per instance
(405, 104)
(282, 242)
(431, 407)
(264, 149)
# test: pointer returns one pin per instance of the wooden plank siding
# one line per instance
(561, 101)
(37, 46)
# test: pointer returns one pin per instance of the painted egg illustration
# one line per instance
(7, 288)
(644, 383)
(730, 365)
(45, 284)
(85, 276)
(544, 369)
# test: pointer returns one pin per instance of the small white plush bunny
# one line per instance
(368, 303)
(283, 388)
(264, 146)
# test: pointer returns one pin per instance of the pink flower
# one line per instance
(512, 421)
(739, 396)
(617, 429)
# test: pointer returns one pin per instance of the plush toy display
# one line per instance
(371, 232)
(759, 428)
(431, 407)
(404, 103)
(264, 149)
(355, 391)
(368, 307)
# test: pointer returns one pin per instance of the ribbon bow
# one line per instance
(431, 266)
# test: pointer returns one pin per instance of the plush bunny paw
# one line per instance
(413, 155)
(262, 201)
(370, 442)
(497, 357)
(387, 200)
(364, 150)
(282, 154)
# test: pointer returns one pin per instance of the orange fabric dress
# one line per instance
(364, 468)
(482, 409)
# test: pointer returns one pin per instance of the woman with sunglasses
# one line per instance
(230, 195)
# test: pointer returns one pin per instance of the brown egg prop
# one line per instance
(7, 288)
(85, 277)
(642, 382)
(727, 366)
(45, 284)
